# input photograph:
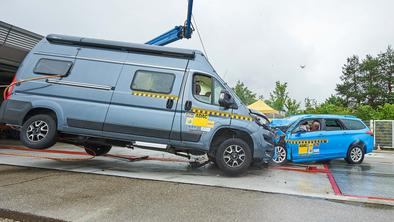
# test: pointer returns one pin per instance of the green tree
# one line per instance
(310, 105)
(385, 112)
(279, 96)
(244, 93)
(292, 106)
(349, 88)
(373, 89)
(365, 112)
(336, 100)
(386, 67)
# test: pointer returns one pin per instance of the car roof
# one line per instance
(322, 116)
(291, 119)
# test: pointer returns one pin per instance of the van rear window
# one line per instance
(149, 81)
(353, 124)
(53, 67)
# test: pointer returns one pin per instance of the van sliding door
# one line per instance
(144, 102)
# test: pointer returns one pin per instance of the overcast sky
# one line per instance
(255, 41)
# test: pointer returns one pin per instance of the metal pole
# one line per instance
(392, 133)
(374, 133)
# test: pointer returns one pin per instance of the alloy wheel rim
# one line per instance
(234, 156)
(280, 154)
(37, 131)
(356, 154)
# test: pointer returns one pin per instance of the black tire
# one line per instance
(33, 129)
(281, 152)
(238, 164)
(355, 155)
(97, 150)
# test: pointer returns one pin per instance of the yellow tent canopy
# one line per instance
(261, 106)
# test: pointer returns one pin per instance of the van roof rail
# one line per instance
(122, 46)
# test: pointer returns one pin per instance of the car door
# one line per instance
(304, 145)
(143, 104)
(199, 111)
(335, 137)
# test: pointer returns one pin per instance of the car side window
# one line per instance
(206, 89)
(53, 67)
(353, 124)
(150, 81)
(332, 125)
(308, 125)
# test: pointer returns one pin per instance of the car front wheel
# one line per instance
(280, 155)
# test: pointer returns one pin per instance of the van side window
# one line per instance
(149, 81)
(53, 67)
(332, 125)
(206, 89)
(353, 124)
(217, 88)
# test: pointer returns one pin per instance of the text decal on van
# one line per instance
(155, 95)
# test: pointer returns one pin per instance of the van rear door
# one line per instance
(144, 101)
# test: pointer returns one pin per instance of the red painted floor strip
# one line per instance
(85, 154)
(369, 197)
(333, 183)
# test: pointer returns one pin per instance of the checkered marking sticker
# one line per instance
(307, 141)
(221, 114)
(155, 95)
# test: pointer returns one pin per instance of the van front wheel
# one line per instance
(233, 156)
(39, 132)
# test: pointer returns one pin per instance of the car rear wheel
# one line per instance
(39, 132)
(97, 150)
(233, 156)
(355, 155)
(280, 155)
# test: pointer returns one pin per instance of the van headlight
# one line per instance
(261, 120)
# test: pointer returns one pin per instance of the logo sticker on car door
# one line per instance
(308, 147)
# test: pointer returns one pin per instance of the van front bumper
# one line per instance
(263, 146)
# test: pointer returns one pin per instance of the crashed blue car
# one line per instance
(307, 138)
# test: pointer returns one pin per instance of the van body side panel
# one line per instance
(82, 106)
(142, 114)
(87, 91)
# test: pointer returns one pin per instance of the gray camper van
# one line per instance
(101, 93)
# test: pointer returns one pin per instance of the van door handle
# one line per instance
(188, 105)
(170, 103)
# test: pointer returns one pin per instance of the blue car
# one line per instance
(307, 138)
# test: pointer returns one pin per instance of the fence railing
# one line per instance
(383, 132)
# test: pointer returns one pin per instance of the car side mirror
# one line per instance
(226, 100)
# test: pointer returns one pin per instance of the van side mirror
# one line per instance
(226, 100)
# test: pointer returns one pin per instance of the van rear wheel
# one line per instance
(97, 150)
(39, 132)
(233, 156)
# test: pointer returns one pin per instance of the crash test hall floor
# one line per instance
(370, 182)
